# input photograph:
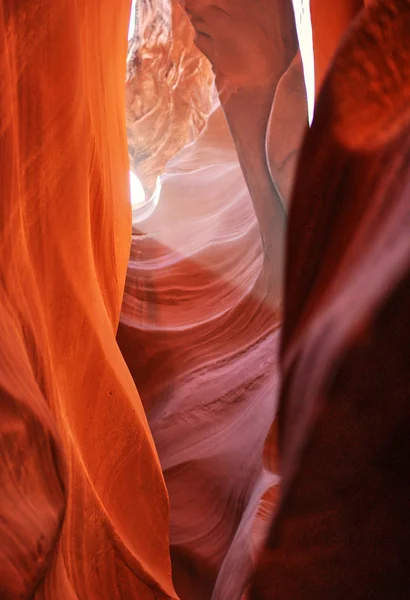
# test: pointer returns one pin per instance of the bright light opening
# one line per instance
(136, 191)
(304, 29)
(131, 26)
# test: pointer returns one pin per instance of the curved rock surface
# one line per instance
(341, 528)
(83, 506)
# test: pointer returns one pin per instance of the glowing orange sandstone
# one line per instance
(84, 510)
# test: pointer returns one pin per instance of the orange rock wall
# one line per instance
(81, 484)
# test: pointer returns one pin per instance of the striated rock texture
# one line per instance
(198, 329)
(341, 528)
(83, 506)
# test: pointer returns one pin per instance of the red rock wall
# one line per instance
(341, 527)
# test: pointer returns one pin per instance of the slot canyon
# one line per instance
(205, 300)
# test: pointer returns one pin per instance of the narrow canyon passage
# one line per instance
(199, 335)
(204, 361)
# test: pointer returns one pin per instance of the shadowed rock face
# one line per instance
(344, 422)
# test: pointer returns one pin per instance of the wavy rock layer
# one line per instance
(196, 331)
(202, 349)
(84, 511)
